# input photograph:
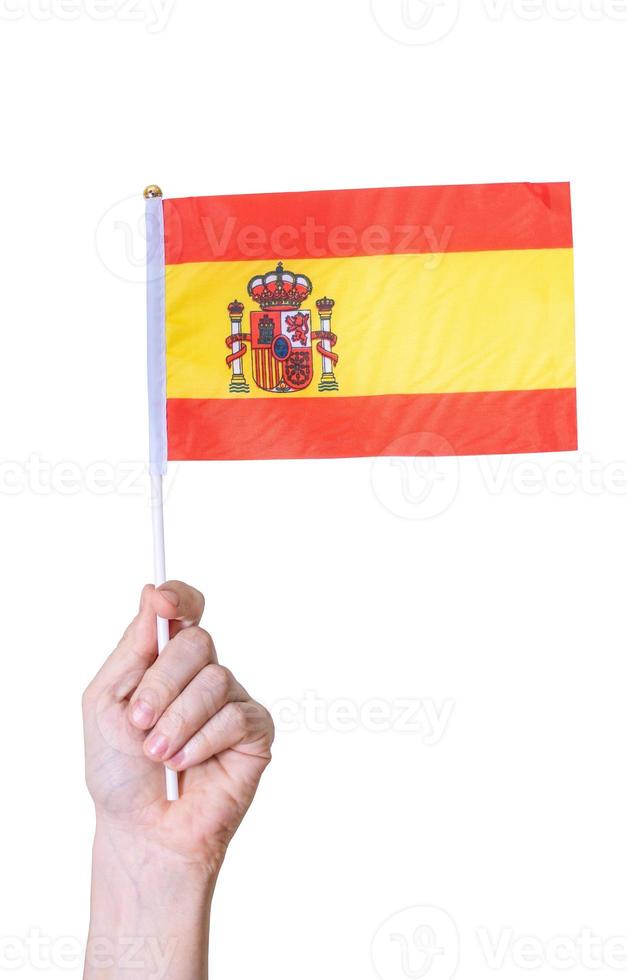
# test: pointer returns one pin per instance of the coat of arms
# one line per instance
(281, 336)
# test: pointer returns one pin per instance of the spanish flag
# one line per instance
(336, 323)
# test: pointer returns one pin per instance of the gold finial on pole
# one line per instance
(153, 190)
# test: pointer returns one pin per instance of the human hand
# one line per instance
(183, 708)
(155, 863)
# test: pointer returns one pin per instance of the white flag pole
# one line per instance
(163, 626)
(155, 298)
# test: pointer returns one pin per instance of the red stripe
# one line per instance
(378, 425)
(379, 221)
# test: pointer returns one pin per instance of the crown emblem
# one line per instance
(279, 289)
(236, 308)
(325, 305)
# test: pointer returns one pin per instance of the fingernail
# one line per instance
(170, 596)
(157, 745)
(142, 714)
(177, 760)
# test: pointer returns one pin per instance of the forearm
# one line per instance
(149, 912)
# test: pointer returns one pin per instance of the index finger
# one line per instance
(182, 604)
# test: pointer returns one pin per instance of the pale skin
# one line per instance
(155, 863)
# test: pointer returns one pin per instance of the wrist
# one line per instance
(150, 909)
(134, 852)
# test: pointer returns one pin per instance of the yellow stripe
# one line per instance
(475, 321)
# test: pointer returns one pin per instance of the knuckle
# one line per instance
(256, 723)
(158, 679)
(216, 679)
(267, 722)
(261, 721)
(173, 720)
(202, 739)
(197, 640)
(156, 691)
(198, 743)
(238, 715)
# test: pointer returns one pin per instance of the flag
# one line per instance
(351, 323)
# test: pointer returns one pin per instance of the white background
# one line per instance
(492, 593)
